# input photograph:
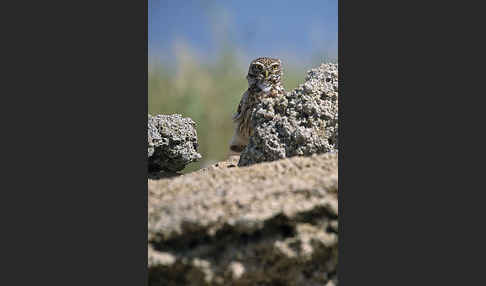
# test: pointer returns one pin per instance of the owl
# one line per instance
(263, 77)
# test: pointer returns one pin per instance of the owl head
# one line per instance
(264, 73)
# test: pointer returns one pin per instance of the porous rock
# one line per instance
(274, 223)
(172, 142)
(303, 121)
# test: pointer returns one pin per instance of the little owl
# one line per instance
(263, 80)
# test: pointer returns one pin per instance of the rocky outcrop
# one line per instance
(172, 143)
(272, 223)
(301, 122)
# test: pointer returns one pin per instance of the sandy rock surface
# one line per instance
(172, 143)
(272, 223)
(304, 121)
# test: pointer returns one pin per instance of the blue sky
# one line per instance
(292, 30)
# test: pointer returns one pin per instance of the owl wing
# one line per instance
(241, 107)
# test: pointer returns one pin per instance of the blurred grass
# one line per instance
(207, 93)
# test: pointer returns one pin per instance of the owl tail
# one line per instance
(238, 141)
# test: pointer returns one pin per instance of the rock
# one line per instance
(274, 223)
(172, 143)
(301, 122)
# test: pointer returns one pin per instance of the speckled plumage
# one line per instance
(264, 75)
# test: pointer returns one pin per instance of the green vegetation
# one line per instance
(207, 93)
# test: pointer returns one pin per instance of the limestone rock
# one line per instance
(274, 223)
(172, 143)
(304, 121)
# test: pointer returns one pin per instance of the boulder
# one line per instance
(303, 121)
(274, 223)
(172, 143)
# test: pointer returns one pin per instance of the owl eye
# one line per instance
(258, 67)
(275, 68)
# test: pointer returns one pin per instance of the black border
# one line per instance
(79, 166)
(406, 100)
(341, 175)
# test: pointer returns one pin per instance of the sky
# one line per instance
(292, 30)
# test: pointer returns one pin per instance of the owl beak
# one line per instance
(266, 74)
